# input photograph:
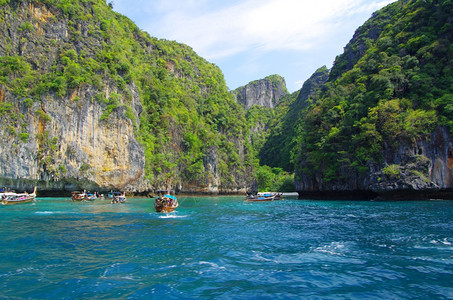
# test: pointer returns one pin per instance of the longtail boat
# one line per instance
(166, 203)
(261, 197)
(9, 198)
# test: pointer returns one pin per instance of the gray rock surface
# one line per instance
(264, 92)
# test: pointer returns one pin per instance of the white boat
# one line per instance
(9, 198)
(264, 197)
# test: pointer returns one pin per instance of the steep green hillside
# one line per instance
(372, 124)
(278, 149)
(78, 53)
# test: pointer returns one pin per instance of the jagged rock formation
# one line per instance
(264, 92)
(260, 98)
(69, 146)
(90, 101)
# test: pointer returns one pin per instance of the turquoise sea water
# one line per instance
(223, 247)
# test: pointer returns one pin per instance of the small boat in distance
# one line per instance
(166, 203)
(118, 197)
(79, 196)
(279, 196)
(94, 196)
(8, 198)
(263, 197)
(83, 196)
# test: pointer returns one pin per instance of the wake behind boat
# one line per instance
(166, 203)
(8, 198)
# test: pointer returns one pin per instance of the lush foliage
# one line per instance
(261, 119)
(187, 109)
(279, 147)
(391, 87)
(258, 118)
(274, 180)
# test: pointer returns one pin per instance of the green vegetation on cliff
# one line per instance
(274, 180)
(390, 88)
(63, 48)
(279, 147)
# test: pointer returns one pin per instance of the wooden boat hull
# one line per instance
(118, 200)
(260, 199)
(12, 201)
(165, 209)
(78, 197)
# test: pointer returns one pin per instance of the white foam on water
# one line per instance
(441, 244)
(334, 248)
(445, 242)
(212, 265)
(45, 212)
(171, 216)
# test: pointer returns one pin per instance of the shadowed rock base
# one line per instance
(441, 194)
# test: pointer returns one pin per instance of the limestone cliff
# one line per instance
(90, 101)
(61, 142)
(69, 147)
(310, 89)
(264, 92)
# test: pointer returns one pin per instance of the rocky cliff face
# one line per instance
(69, 146)
(61, 143)
(419, 171)
(280, 140)
(264, 92)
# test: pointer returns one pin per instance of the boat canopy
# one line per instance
(170, 196)
(265, 194)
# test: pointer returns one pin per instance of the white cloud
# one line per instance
(250, 39)
(216, 31)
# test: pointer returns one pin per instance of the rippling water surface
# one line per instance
(223, 247)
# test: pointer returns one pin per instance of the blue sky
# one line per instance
(251, 39)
